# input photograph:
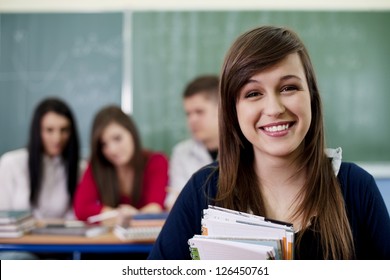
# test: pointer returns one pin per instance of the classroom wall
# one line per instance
(170, 5)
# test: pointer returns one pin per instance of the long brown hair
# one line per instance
(103, 171)
(321, 195)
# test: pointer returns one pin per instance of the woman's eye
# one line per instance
(252, 94)
(65, 130)
(289, 88)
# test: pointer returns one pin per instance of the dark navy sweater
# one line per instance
(366, 210)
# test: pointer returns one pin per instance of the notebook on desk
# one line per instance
(137, 233)
(14, 216)
(148, 220)
(141, 227)
(71, 229)
(14, 224)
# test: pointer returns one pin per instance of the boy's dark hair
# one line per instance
(207, 85)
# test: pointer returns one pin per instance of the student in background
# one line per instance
(200, 101)
(43, 176)
(121, 174)
(273, 162)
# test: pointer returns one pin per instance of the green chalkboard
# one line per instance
(350, 51)
(77, 57)
(80, 57)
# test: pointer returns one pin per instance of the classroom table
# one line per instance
(76, 245)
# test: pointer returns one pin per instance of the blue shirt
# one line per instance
(366, 210)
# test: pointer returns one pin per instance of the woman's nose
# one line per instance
(274, 105)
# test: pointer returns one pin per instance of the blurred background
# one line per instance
(141, 54)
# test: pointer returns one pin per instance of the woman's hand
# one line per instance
(110, 221)
(125, 213)
(151, 208)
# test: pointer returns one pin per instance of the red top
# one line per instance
(87, 200)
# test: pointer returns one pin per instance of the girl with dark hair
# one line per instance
(273, 161)
(44, 176)
(121, 174)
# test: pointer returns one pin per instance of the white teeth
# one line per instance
(276, 128)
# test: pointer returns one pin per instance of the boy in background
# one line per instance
(200, 101)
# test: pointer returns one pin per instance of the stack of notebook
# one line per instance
(228, 234)
(15, 223)
(141, 227)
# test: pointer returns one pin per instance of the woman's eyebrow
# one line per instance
(287, 77)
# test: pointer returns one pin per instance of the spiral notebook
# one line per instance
(147, 234)
(141, 227)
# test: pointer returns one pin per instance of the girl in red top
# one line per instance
(121, 175)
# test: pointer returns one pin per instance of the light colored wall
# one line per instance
(120, 5)
(384, 187)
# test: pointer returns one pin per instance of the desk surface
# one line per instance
(53, 243)
(107, 243)
(108, 238)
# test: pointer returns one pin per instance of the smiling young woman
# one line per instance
(273, 160)
(273, 108)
